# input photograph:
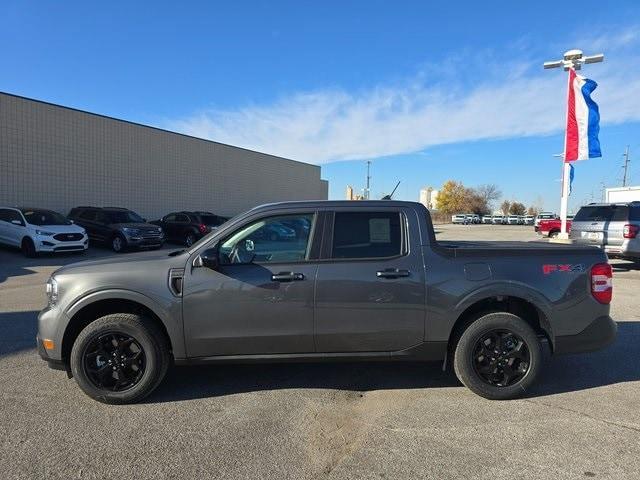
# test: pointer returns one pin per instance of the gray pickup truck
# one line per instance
(327, 280)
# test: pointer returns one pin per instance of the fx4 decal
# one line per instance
(565, 267)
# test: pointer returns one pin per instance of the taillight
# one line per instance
(630, 231)
(601, 282)
(202, 227)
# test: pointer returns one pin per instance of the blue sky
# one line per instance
(428, 91)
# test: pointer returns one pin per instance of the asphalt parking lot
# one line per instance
(325, 420)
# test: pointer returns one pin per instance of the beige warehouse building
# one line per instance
(57, 157)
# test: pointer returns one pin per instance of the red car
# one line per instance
(551, 228)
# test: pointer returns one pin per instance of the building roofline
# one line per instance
(44, 102)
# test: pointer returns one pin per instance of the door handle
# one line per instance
(392, 273)
(287, 277)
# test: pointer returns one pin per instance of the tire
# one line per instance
(28, 248)
(468, 367)
(553, 234)
(118, 243)
(189, 239)
(151, 366)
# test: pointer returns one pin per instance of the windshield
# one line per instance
(44, 217)
(124, 216)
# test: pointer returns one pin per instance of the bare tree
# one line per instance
(489, 193)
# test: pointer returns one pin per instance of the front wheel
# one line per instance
(190, 239)
(29, 248)
(118, 244)
(498, 356)
(120, 358)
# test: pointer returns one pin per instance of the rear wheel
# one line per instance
(553, 234)
(28, 248)
(498, 356)
(120, 358)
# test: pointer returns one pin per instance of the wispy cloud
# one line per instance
(334, 125)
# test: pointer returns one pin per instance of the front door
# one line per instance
(260, 298)
(370, 291)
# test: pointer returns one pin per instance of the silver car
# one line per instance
(615, 227)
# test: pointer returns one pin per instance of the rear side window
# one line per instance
(88, 215)
(602, 213)
(366, 235)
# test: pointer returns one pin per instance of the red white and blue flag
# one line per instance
(583, 120)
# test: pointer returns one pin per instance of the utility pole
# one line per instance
(625, 166)
(572, 60)
(367, 190)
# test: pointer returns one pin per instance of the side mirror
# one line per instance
(210, 258)
(72, 222)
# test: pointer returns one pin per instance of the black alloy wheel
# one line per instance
(498, 355)
(501, 358)
(114, 361)
(118, 244)
(190, 239)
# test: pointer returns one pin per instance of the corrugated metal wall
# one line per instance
(55, 157)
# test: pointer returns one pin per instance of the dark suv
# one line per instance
(118, 228)
(615, 227)
(188, 227)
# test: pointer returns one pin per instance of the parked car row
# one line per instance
(470, 218)
(38, 230)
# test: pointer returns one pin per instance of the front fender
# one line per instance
(169, 312)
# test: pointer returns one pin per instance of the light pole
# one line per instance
(572, 59)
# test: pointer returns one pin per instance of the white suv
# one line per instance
(36, 230)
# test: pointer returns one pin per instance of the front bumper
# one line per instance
(53, 363)
(48, 244)
(145, 242)
(597, 335)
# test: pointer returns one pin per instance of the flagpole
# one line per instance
(572, 60)
(564, 198)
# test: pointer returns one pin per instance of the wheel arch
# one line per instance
(528, 305)
(99, 304)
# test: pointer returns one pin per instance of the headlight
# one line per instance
(131, 231)
(52, 291)
(44, 233)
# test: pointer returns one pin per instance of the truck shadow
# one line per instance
(617, 364)
(17, 332)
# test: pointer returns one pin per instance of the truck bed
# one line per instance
(460, 248)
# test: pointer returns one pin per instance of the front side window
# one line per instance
(366, 235)
(280, 239)
(124, 216)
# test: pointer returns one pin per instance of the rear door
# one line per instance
(169, 226)
(370, 288)
(86, 220)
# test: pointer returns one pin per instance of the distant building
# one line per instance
(429, 197)
(623, 194)
(349, 192)
(58, 158)
(353, 196)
